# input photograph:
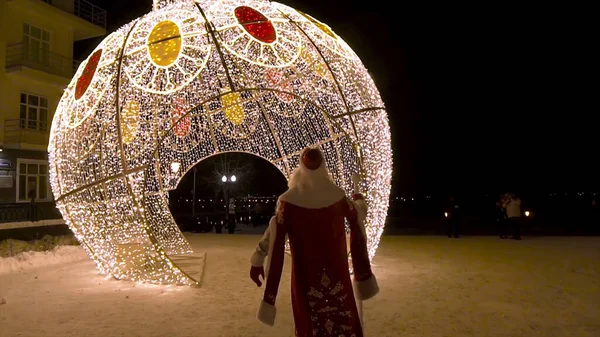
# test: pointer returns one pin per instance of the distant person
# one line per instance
(513, 214)
(595, 214)
(501, 217)
(32, 207)
(231, 223)
(452, 217)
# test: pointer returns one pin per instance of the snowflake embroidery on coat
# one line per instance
(325, 302)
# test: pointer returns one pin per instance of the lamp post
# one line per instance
(226, 181)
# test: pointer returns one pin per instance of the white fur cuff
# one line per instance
(367, 289)
(266, 313)
(257, 259)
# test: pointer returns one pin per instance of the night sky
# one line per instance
(480, 99)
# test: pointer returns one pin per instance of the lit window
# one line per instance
(36, 44)
(33, 180)
(34, 112)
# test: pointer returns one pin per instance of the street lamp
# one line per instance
(233, 179)
(224, 179)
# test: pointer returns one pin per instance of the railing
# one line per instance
(18, 212)
(15, 212)
(15, 132)
(90, 12)
(83, 9)
(22, 55)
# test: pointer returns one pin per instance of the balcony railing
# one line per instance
(15, 132)
(83, 9)
(22, 55)
(90, 12)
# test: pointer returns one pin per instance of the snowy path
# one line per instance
(430, 286)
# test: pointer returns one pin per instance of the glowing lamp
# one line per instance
(233, 179)
(224, 179)
(527, 213)
(175, 167)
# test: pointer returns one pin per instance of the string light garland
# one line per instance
(192, 79)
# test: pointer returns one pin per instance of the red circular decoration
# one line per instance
(182, 128)
(255, 24)
(84, 80)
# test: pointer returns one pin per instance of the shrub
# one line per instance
(11, 247)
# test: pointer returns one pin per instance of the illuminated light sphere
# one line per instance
(224, 179)
(170, 89)
(233, 179)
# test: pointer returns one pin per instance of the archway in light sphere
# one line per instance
(193, 79)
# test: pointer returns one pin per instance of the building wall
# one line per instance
(8, 194)
(34, 82)
(31, 77)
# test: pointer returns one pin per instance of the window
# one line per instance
(36, 44)
(34, 112)
(32, 180)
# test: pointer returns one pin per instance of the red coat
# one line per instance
(323, 300)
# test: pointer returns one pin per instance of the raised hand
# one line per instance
(256, 273)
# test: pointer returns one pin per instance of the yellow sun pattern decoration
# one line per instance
(192, 79)
(164, 43)
(232, 105)
(166, 51)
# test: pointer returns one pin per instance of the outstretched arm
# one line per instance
(366, 283)
(262, 249)
(258, 257)
(267, 310)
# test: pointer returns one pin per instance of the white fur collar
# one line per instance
(322, 197)
(312, 188)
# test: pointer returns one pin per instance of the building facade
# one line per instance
(36, 65)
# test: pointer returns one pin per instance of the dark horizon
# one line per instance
(476, 104)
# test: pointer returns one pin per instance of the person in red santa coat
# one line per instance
(312, 214)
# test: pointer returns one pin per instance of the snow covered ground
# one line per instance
(430, 286)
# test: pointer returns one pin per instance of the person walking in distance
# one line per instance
(452, 217)
(513, 214)
(501, 217)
